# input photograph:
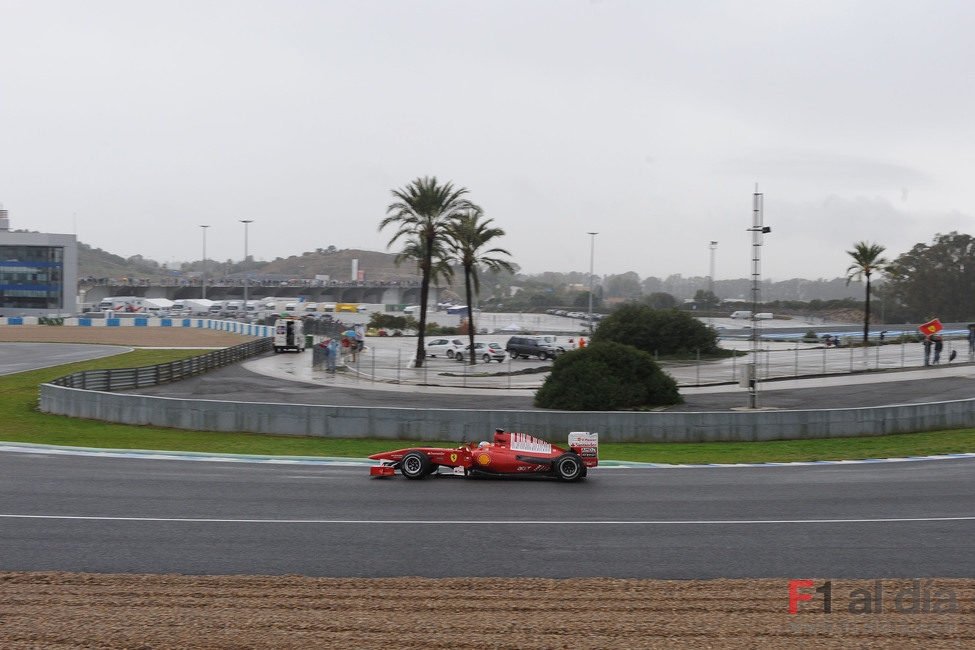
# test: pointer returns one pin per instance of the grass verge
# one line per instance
(21, 422)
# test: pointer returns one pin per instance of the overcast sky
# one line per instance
(133, 122)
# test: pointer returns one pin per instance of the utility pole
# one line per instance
(758, 229)
(204, 281)
(713, 246)
(246, 223)
(592, 255)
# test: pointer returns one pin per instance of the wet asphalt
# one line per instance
(235, 383)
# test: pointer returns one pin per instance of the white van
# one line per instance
(289, 334)
(233, 307)
(311, 307)
(741, 314)
(121, 303)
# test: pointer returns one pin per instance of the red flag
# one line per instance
(931, 327)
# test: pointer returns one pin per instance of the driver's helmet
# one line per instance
(484, 443)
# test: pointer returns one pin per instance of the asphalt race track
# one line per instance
(235, 383)
(94, 514)
(21, 357)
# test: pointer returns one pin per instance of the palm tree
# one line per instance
(422, 211)
(866, 260)
(467, 235)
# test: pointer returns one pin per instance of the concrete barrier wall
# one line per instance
(469, 425)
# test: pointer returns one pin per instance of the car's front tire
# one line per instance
(415, 465)
(450, 354)
(568, 467)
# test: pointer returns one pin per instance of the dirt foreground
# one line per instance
(44, 610)
(174, 337)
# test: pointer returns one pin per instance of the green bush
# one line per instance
(661, 331)
(606, 377)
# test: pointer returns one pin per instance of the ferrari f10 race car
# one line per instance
(510, 453)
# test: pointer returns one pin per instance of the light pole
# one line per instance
(246, 223)
(592, 255)
(204, 281)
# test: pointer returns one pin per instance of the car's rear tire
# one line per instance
(568, 467)
(487, 358)
(415, 465)
(542, 356)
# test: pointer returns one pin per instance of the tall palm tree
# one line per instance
(422, 211)
(866, 261)
(467, 235)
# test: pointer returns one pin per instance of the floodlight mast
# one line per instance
(757, 230)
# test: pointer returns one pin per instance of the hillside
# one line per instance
(96, 263)
(338, 264)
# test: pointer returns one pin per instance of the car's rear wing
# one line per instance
(586, 445)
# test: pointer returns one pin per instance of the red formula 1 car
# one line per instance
(510, 453)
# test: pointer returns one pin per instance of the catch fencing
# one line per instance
(128, 378)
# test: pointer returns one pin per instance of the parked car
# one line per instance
(445, 347)
(524, 346)
(551, 343)
(487, 352)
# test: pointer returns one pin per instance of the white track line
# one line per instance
(495, 522)
(149, 454)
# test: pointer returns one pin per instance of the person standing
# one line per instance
(333, 355)
(938, 345)
(927, 350)
(971, 341)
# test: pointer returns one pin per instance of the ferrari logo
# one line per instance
(453, 458)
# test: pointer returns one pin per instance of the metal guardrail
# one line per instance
(162, 373)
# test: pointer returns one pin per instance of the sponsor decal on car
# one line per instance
(453, 458)
(531, 444)
(484, 459)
